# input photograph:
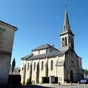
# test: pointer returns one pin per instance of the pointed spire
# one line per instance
(66, 19)
(66, 26)
(66, 22)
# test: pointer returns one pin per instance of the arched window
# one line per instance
(42, 64)
(65, 41)
(28, 66)
(34, 65)
(22, 68)
(51, 64)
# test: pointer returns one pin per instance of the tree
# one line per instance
(85, 71)
(13, 64)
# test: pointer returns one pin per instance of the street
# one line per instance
(56, 86)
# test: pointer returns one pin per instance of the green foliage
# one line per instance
(29, 81)
(85, 71)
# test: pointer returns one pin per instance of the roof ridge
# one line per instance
(43, 46)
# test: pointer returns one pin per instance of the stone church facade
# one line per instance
(46, 62)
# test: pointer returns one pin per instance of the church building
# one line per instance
(48, 64)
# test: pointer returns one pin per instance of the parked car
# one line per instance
(84, 81)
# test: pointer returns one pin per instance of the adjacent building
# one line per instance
(15, 72)
(46, 62)
(6, 44)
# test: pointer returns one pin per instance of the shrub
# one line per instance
(29, 81)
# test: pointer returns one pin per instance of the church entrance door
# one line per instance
(71, 76)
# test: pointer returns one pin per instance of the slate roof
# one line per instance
(27, 56)
(66, 26)
(45, 46)
(47, 55)
(54, 53)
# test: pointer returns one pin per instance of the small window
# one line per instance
(51, 64)
(42, 65)
(65, 41)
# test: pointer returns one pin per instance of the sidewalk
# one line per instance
(63, 85)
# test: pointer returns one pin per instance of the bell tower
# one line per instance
(67, 37)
